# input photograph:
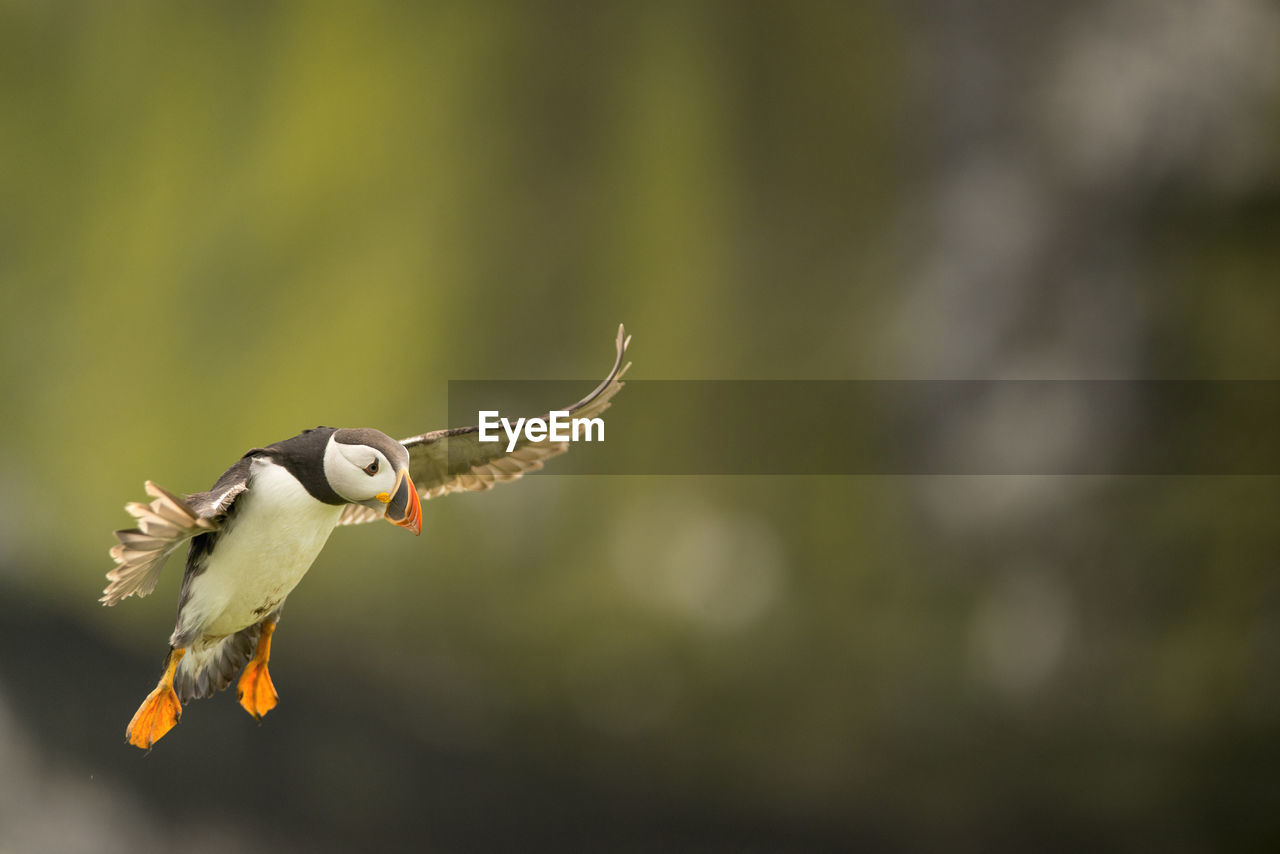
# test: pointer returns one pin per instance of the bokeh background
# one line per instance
(223, 223)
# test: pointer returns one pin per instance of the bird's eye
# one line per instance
(371, 469)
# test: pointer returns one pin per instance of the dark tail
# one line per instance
(206, 670)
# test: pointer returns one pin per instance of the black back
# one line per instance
(303, 457)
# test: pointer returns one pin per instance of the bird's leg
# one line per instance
(257, 695)
(158, 713)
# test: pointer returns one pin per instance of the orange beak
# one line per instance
(403, 506)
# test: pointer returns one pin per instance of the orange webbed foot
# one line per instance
(157, 715)
(256, 692)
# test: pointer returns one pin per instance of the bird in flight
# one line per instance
(258, 530)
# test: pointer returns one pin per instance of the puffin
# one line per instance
(256, 532)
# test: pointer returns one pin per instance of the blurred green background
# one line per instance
(223, 223)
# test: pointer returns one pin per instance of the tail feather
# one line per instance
(206, 670)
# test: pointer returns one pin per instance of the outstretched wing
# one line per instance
(455, 460)
(163, 526)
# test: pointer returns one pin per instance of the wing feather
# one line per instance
(164, 526)
(455, 460)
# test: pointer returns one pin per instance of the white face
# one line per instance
(358, 473)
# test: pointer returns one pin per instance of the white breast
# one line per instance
(275, 534)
